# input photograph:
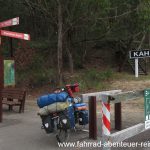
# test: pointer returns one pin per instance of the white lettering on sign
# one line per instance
(147, 124)
(141, 54)
(146, 53)
(136, 54)
(11, 34)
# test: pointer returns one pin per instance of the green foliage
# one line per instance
(144, 16)
(38, 72)
(34, 78)
(40, 44)
(94, 79)
(89, 22)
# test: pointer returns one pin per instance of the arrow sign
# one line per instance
(15, 35)
(10, 22)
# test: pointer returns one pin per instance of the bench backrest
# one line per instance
(13, 93)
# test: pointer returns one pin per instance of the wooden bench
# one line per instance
(14, 97)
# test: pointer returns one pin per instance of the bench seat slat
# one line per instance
(13, 92)
(14, 96)
(11, 102)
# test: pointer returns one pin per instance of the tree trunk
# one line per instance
(128, 47)
(68, 48)
(60, 39)
(71, 66)
(142, 40)
(84, 47)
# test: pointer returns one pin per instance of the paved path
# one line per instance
(22, 132)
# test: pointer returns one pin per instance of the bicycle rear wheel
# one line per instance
(62, 136)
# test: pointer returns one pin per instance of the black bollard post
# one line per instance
(118, 119)
(92, 118)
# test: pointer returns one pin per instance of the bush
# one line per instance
(93, 79)
(34, 78)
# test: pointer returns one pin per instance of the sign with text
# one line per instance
(10, 22)
(15, 35)
(147, 108)
(9, 73)
(139, 53)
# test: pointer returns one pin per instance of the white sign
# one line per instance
(139, 53)
(147, 124)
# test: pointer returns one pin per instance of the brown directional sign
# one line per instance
(10, 22)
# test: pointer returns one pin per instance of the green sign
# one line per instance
(147, 108)
(9, 73)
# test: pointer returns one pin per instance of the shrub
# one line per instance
(93, 79)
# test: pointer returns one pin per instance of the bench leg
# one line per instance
(10, 107)
(21, 109)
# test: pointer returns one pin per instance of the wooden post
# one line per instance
(92, 118)
(11, 44)
(118, 119)
(1, 84)
(8, 23)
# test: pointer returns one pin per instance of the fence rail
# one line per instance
(116, 97)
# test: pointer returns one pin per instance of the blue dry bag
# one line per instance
(48, 99)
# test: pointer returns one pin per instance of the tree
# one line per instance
(60, 41)
(73, 27)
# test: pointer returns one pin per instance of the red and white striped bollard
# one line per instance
(106, 126)
(105, 118)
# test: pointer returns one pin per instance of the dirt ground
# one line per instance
(130, 85)
(132, 111)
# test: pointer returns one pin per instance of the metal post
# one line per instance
(92, 118)
(136, 67)
(118, 118)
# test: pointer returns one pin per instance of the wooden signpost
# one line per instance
(23, 36)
